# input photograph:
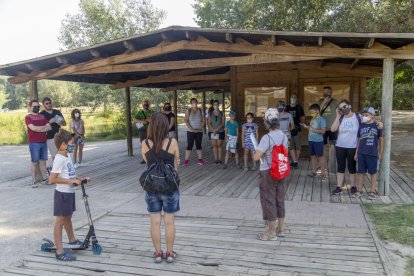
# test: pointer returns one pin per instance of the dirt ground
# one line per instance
(402, 148)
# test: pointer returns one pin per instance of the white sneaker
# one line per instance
(34, 185)
(76, 165)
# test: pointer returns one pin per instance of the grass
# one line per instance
(394, 222)
(99, 126)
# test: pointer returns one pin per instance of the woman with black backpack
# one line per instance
(162, 157)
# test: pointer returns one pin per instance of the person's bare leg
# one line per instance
(187, 154)
(169, 231)
(214, 144)
(42, 167)
(33, 171)
(322, 164)
(220, 149)
(236, 156)
(361, 180)
(156, 231)
(297, 155)
(314, 164)
(67, 223)
(80, 153)
(57, 231)
(200, 154)
(226, 159)
(293, 155)
(374, 182)
(246, 157)
(75, 154)
(353, 179)
(340, 177)
(254, 162)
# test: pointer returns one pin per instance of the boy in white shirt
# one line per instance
(64, 176)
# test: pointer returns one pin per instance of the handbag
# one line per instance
(159, 177)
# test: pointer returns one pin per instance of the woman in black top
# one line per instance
(159, 143)
(171, 119)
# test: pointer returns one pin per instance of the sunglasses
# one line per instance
(49, 103)
(343, 107)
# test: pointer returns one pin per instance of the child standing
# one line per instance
(232, 133)
(369, 150)
(316, 131)
(64, 176)
(247, 129)
(77, 126)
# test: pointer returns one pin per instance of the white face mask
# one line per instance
(366, 119)
(77, 115)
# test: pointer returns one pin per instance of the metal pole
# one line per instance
(128, 120)
(176, 114)
(387, 95)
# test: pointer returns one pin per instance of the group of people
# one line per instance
(42, 126)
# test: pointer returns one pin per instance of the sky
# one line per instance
(29, 28)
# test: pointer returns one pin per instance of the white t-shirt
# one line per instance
(266, 145)
(63, 166)
(348, 133)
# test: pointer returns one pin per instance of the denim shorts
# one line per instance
(316, 149)
(156, 202)
(367, 163)
(38, 151)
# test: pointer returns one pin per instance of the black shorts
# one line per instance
(221, 135)
(196, 137)
(142, 135)
(345, 157)
(64, 204)
(332, 137)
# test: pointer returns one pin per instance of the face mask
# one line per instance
(167, 108)
(35, 109)
(250, 121)
(346, 111)
(70, 148)
(293, 101)
(145, 106)
(327, 96)
(194, 105)
(281, 110)
(215, 107)
(366, 119)
(77, 115)
(314, 115)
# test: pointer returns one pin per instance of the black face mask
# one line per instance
(345, 111)
(167, 108)
(36, 109)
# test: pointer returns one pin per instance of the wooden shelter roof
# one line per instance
(198, 58)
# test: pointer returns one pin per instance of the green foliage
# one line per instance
(4, 98)
(393, 222)
(104, 20)
(409, 269)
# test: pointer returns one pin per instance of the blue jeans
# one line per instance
(156, 202)
(38, 151)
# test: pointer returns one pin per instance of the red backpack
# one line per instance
(280, 167)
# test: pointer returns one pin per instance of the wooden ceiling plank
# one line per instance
(189, 86)
(368, 45)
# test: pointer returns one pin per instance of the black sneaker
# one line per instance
(292, 164)
(295, 165)
(354, 190)
(337, 191)
(142, 162)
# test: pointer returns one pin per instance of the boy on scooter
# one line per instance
(64, 176)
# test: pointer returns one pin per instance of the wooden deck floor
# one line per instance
(121, 173)
(215, 247)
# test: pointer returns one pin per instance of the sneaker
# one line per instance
(142, 162)
(76, 165)
(158, 256)
(337, 191)
(354, 190)
(201, 162)
(295, 165)
(34, 185)
(185, 163)
(225, 166)
(372, 196)
(45, 181)
(292, 164)
(358, 194)
(170, 257)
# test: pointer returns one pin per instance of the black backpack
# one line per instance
(357, 115)
(160, 177)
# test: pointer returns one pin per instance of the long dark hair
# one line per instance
(72, 114)
(158, 130)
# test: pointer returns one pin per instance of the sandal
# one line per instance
(158, 256)
(66, 257)
(76, 242)
(265, 236)
(170, 257)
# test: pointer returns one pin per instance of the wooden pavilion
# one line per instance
(258, 68)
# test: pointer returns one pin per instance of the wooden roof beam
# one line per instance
(201, 84)
(32, 67)
(230, 38)
(95, 53)
(62, 60)
(192, 36)
(368, 45)
(213, 77)
(161, 78)
(129, 46)
(196, 63)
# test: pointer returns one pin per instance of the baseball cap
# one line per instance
(232, 113)
(369, 110)
(280, 103)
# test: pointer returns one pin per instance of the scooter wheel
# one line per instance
(96, 249)
(45, 247)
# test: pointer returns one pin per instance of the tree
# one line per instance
(104, 20)
(3, 96)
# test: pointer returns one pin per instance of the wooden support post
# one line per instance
(33, 92)
(204, 110)
(128, 120)
(223, 103)
(176, 114)
(387, 95)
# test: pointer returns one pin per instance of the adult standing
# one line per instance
(77, 126)
(272, 192)
(216, 122)
(159, 143)
(56, 120)
(141, 119)
(328, 111)
(286, 120)
(347, 124)
(298, 115)
(171, 119)
(37, 126)
(195, 121)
